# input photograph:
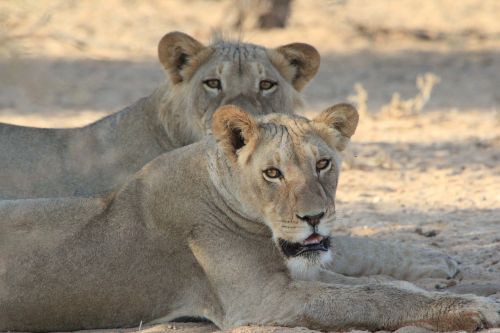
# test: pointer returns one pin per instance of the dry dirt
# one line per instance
(430, 178)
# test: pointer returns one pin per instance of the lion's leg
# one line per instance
(387, 307)
(360, 256)
(372, 307)
(253, 286)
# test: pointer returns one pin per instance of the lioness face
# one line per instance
(288, 170)
(256, 79)
(240, 75)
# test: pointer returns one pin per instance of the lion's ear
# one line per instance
(234, 129)
(337, 124)
(297, 62)
(175, 50)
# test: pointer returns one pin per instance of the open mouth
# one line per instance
(313, 243)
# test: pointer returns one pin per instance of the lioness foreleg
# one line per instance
(253, 286)
(372, 307)
(376, 307)
(362, 256)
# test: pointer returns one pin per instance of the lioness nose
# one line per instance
(312, 220)
(247, 103)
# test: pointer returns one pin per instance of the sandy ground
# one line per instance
(430, 178)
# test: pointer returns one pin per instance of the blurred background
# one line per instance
(425, 74)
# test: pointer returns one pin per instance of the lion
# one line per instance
(96, 158)
(216, 229)
(37, 162)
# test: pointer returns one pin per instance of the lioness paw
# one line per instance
(437, 266)
(468, 313)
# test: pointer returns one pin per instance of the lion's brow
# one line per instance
(278, 132)
(272, 130)
(285, 135)
(295, 129)
(237, 51)
(269, 129)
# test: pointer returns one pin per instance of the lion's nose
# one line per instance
(247, 103)
(312, 220)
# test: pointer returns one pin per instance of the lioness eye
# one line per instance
(322, 164)
(272, 173)
(213, 84)
(266, 84)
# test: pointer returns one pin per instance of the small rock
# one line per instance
(430, 233)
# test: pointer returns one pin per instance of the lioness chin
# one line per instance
(254, 198)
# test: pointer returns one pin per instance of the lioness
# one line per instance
(254, 198)
(38, 162)
(62, 162)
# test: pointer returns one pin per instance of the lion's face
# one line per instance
(239, 75)
(295, 174)
(288, 169)
(256, 79)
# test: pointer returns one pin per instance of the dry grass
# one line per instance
(398, 107)
(360, 99)
(497, 116)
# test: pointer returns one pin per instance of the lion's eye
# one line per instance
(322, 164)
(213, 84)
(273, 173)
(266, 84)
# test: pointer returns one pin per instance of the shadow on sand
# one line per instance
(469, 80)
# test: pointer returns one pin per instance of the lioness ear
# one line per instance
(175, 50)
(234, 129)
(299, 63)
(337, 124)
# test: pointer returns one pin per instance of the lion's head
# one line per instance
(202, 78)
(283, 170)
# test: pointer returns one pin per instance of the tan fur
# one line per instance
(211, 250)
(231, 124)
(63, 162)
(175, 48)
(344, 123)
(304, 58)
(96, 158)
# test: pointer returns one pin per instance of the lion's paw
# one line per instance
(468, 313)
(436, 266)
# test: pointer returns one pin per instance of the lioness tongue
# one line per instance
(313, 239)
